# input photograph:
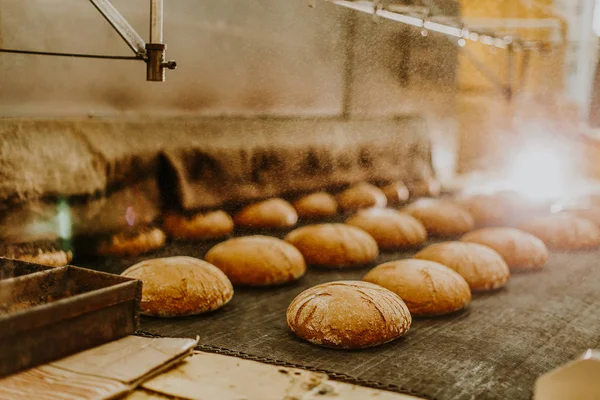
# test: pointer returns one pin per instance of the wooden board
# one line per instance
(208, 376)
(52, 383)
(105, 372)
(130, 359)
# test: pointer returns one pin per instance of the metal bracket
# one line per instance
(154, 52)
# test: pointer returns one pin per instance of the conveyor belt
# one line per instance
(493, 350)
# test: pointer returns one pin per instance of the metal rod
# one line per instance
(50, 53)
(510, 72)
(348, 77)
(156, 21)
(523, 71)
(454, 26)
(120, 24)
(507, 23)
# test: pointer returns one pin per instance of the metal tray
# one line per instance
(50, 313)
(14, 268)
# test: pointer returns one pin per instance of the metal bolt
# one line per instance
(169, 64)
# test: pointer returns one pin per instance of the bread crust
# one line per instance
(391, 229)
(441, 218)
(334, 245)
(133, 243)
(589, 213)
(424, 188)
(49, 253)
(201, 226)
(257, 260)
(428, 288)
(521, 250)
(180, 286)
(348, 315)
(563, 231)
(268, 214)
(482, 267)
(396, 193)
(489, 210)
(57, 258)
(316, 205)
(361, 195)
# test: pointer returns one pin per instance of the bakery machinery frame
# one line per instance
(498, 33)
(152, 53)
(495, 32)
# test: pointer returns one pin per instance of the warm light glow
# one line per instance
(130, 216)
(539, 173)
(63, 219)
(596, 18)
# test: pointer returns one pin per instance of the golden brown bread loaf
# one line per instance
(49, 253)
(334, 245)
(428, 288)
(257, 260)
(180, 286)
(496, 209)
(348, 315)
(132, 243)
(391, 229)
(563, 231)
(267, 214)
(521, 250)
(441, 218)
(202, 226)
(482, 267)
(396, 193)
(362, 195)
(316, 205)
(589, 213)
(424, 188)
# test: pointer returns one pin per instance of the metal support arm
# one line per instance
(120, 24)
(154, 52)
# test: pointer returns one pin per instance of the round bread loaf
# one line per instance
(180, 286)
(131, 243)
(562, 231)
(589, 213)
(482, 267)
(316, 205)
(424, 188)
(49, 253)
(202, 226)
(441, 218)
(497, 209)
(428, 288)
(521, 250)
(391, 229)
(257, 260)
(348, 315)
(334, 245)
(268, 214)
(362, 195)
(396, 193)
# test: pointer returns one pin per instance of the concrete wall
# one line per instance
(235, 57)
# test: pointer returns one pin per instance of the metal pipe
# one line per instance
(156, 64)
(156, 21)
